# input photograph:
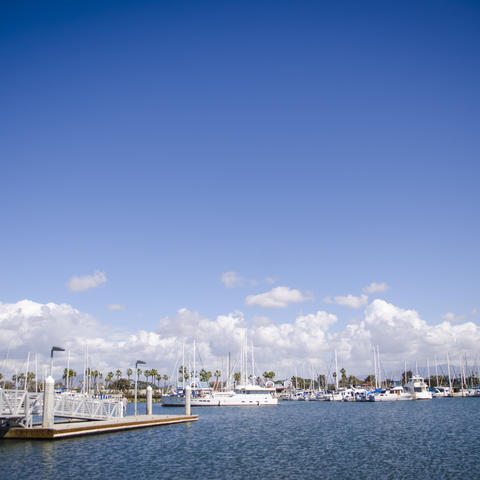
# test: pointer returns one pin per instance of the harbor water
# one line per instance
(317, 440)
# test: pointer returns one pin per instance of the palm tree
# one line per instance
(119, 374)
(270, 375)
(30, 378)
(153, 374)
(68, 373)
(217, 374)
(129, 373)
(109, 377)
(96, 375)
(20, 378)
(237, 376)
(183, 373)
(146, 374)
(204, 375)
(165, 379)
(158, 377)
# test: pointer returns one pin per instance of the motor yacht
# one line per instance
(418, 388)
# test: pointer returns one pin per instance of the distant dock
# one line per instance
(76, 428)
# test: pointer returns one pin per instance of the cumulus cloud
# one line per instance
(116, 306)
(404, 332)
(375, 288)
(278, 297)
(308, 339)
(349, 300)
(80, 284)
(452, 317)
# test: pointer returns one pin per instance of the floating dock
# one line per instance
(75, 428)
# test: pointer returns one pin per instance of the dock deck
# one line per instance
(71, 429)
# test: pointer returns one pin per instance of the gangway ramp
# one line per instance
(18, 407)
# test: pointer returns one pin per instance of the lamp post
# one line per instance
(138, 362)
(54, 349)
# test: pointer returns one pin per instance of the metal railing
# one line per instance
(84, 406)
(18, 407)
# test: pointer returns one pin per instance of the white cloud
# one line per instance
(451, 317)
(278, 297)
(309, 339)
(375, 288)
(232, 279)
(349, 300)
(404, 333)
(475, 312)
(116, 306)
(79, 284)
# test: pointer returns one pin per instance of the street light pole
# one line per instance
(54, 349)
(138, 362)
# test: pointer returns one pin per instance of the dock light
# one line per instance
(137, 363)
(54, 349)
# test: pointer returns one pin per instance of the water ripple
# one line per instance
(404, 440)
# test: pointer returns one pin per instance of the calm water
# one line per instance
(438, 439)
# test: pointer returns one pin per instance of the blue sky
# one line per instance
(326, 145)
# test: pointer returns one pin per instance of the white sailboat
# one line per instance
(246, 393)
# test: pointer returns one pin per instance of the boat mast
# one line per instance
(88, 373)
(378, 366)
(84, 370)
(228, 372)
(246, 359)
(253, 366)
(194, 366)
(68, 370)
(26, 372)
(36, 373)
(5, 365)
(241, 364)
(336, 371)
(436, 368)
(449, 378)
(183, 366)
(428, 372)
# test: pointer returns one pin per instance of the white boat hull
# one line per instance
(222, 399)
(389, 398)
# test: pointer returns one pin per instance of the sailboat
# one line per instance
(246, 393)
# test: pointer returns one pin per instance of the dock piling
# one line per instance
(149, 400)
(48, 403)
(188, 400)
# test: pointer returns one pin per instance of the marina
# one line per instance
(253, 224)
(293, 440)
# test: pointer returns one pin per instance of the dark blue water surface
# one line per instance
(437, 439)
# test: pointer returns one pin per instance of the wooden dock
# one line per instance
(75, 428)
